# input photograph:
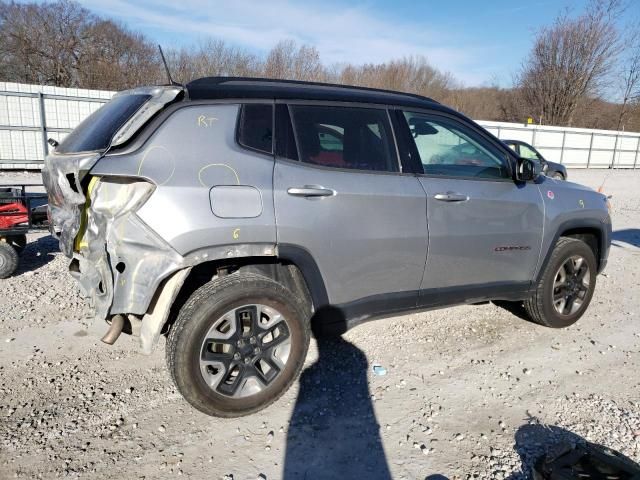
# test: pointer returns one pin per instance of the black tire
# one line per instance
(19, 242)
(8, 260)
(206, 306)
(540, 307)
(557, 176)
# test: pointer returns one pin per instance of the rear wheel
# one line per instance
(557, 176)
(566, 287)
(8, 259)
(238, 344)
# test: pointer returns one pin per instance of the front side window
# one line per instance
(255, 128)
(344, 137)
(527, 152)
(449, 148)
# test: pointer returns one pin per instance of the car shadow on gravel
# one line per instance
(333, 431)
(627, 235)
(37, 254)
(514, 308)
(534, 440)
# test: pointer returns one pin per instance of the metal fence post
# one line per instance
(615, 150)
(564, 136)
(533, 136)
(43, 125)
(635, 160)
(590, 147)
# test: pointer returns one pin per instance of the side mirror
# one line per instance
(527, 169)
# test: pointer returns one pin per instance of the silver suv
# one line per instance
(233, 215)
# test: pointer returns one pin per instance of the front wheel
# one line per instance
(566, 287)
(238, 344)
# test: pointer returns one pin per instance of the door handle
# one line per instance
(451, 197)
(311, 191)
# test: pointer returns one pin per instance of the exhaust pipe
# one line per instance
(117, 324)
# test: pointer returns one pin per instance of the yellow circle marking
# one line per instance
(217, 165)
(173, 163)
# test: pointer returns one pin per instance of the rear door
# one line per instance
(340, 194)
(485, 231)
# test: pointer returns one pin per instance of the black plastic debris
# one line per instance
(585, 462)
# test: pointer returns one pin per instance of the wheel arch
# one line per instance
(292, 266)
(593, 232)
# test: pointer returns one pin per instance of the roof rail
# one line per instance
(221, 80)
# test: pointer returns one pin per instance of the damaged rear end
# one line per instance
(95, 217)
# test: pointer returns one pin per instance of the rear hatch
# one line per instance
(65, 171)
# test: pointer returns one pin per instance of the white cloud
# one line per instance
(341, 33)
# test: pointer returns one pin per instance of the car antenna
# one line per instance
(166, 68)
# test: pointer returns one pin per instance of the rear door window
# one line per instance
(96, 131)
(345, 137)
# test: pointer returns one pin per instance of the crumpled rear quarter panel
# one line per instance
(136, 260)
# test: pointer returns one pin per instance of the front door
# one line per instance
(344, 200)
(485, 231)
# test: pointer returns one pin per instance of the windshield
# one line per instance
(97, 130)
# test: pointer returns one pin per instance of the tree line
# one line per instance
(575, 67)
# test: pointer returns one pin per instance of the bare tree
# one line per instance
(41, 43)
(64, 44)
(213, 58)
(114, 58)
(630, 79)
(570, 60)
(410, 74)
(288, 61)
(563, 82)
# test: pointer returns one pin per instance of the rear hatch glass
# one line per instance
(97, 130)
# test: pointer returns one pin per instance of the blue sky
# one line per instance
(478, 41)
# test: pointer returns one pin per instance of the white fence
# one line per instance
(30, 114)
(575, 147)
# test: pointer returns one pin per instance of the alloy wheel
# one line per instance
(571, 285)
(245, 350)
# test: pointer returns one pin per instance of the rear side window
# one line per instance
(255, 127)
(344, 137)
(97, 130)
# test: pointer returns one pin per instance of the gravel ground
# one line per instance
(470, 392)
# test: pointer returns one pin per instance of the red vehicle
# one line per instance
(20, 212)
